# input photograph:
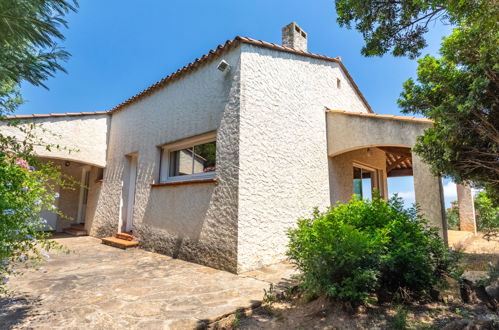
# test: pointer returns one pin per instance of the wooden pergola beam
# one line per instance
(400, 172)
(399, 151)
(396, 163)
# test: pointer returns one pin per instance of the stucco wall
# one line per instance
(283, 146)
(347, 132)
(94, 189)
(83, 137)
(197, 222)
(467, 216)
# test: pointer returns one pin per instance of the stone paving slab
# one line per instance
(101, 287)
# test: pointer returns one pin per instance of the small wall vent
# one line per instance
(223, 66)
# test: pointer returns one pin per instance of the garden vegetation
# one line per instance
(29, 52)
(367, 250)
(457, 90)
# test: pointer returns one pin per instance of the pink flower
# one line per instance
(210, 169)
(22, 162)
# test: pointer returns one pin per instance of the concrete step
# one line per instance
(125, 236)
(75, 231)
(79, 226)
(119, 243)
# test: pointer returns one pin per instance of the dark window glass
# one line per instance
(362, 183)
(200, 158)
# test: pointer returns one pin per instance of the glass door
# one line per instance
(364, 181)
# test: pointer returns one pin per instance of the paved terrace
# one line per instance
(101, 287)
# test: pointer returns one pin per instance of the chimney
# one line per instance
(294, 37)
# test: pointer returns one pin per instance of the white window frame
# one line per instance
(167, 149)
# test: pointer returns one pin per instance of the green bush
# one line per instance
(487, 216)
(363, 249)
(452, 215)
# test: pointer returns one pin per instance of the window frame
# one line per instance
(165, 158)
(376, 180)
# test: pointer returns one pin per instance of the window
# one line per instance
(190, 159)
(362, 183)
(365, 180)
(196, 159)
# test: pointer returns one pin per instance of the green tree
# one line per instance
(458, 91)
(487, 216)
(29, 33)
(400, 26)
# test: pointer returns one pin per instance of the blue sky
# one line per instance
(121, 47)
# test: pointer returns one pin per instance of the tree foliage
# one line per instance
(458, 91)
(400, 26)
(452, 216)
(487, 216)
(29, 32)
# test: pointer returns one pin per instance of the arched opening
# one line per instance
(358, 173)
(382, 142)
(399, 168)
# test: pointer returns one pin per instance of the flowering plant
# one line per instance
(24, 193)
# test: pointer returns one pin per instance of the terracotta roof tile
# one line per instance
(68, 114)
(212, 54)
(375, 115)
(229, 44)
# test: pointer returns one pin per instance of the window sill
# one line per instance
(184, 182)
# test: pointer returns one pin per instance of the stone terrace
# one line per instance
(101, 287)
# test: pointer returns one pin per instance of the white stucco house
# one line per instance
(214, 162)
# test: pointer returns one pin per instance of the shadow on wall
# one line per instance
(193, 222)
(174, 216)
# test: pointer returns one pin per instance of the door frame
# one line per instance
(84, 185)
(128, 193)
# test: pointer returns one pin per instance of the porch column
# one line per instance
(429, 195)
(466, 208)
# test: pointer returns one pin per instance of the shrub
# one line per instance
(24, 193)
(487, 216)
(363, 248)
(452, 215)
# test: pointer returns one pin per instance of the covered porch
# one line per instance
(78, 146)
(366, 149)
(77, 201)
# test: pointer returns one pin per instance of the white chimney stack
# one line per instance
(294, 37)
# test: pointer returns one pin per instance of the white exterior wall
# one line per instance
(85, 136)
(194, 222)
(283, 146)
